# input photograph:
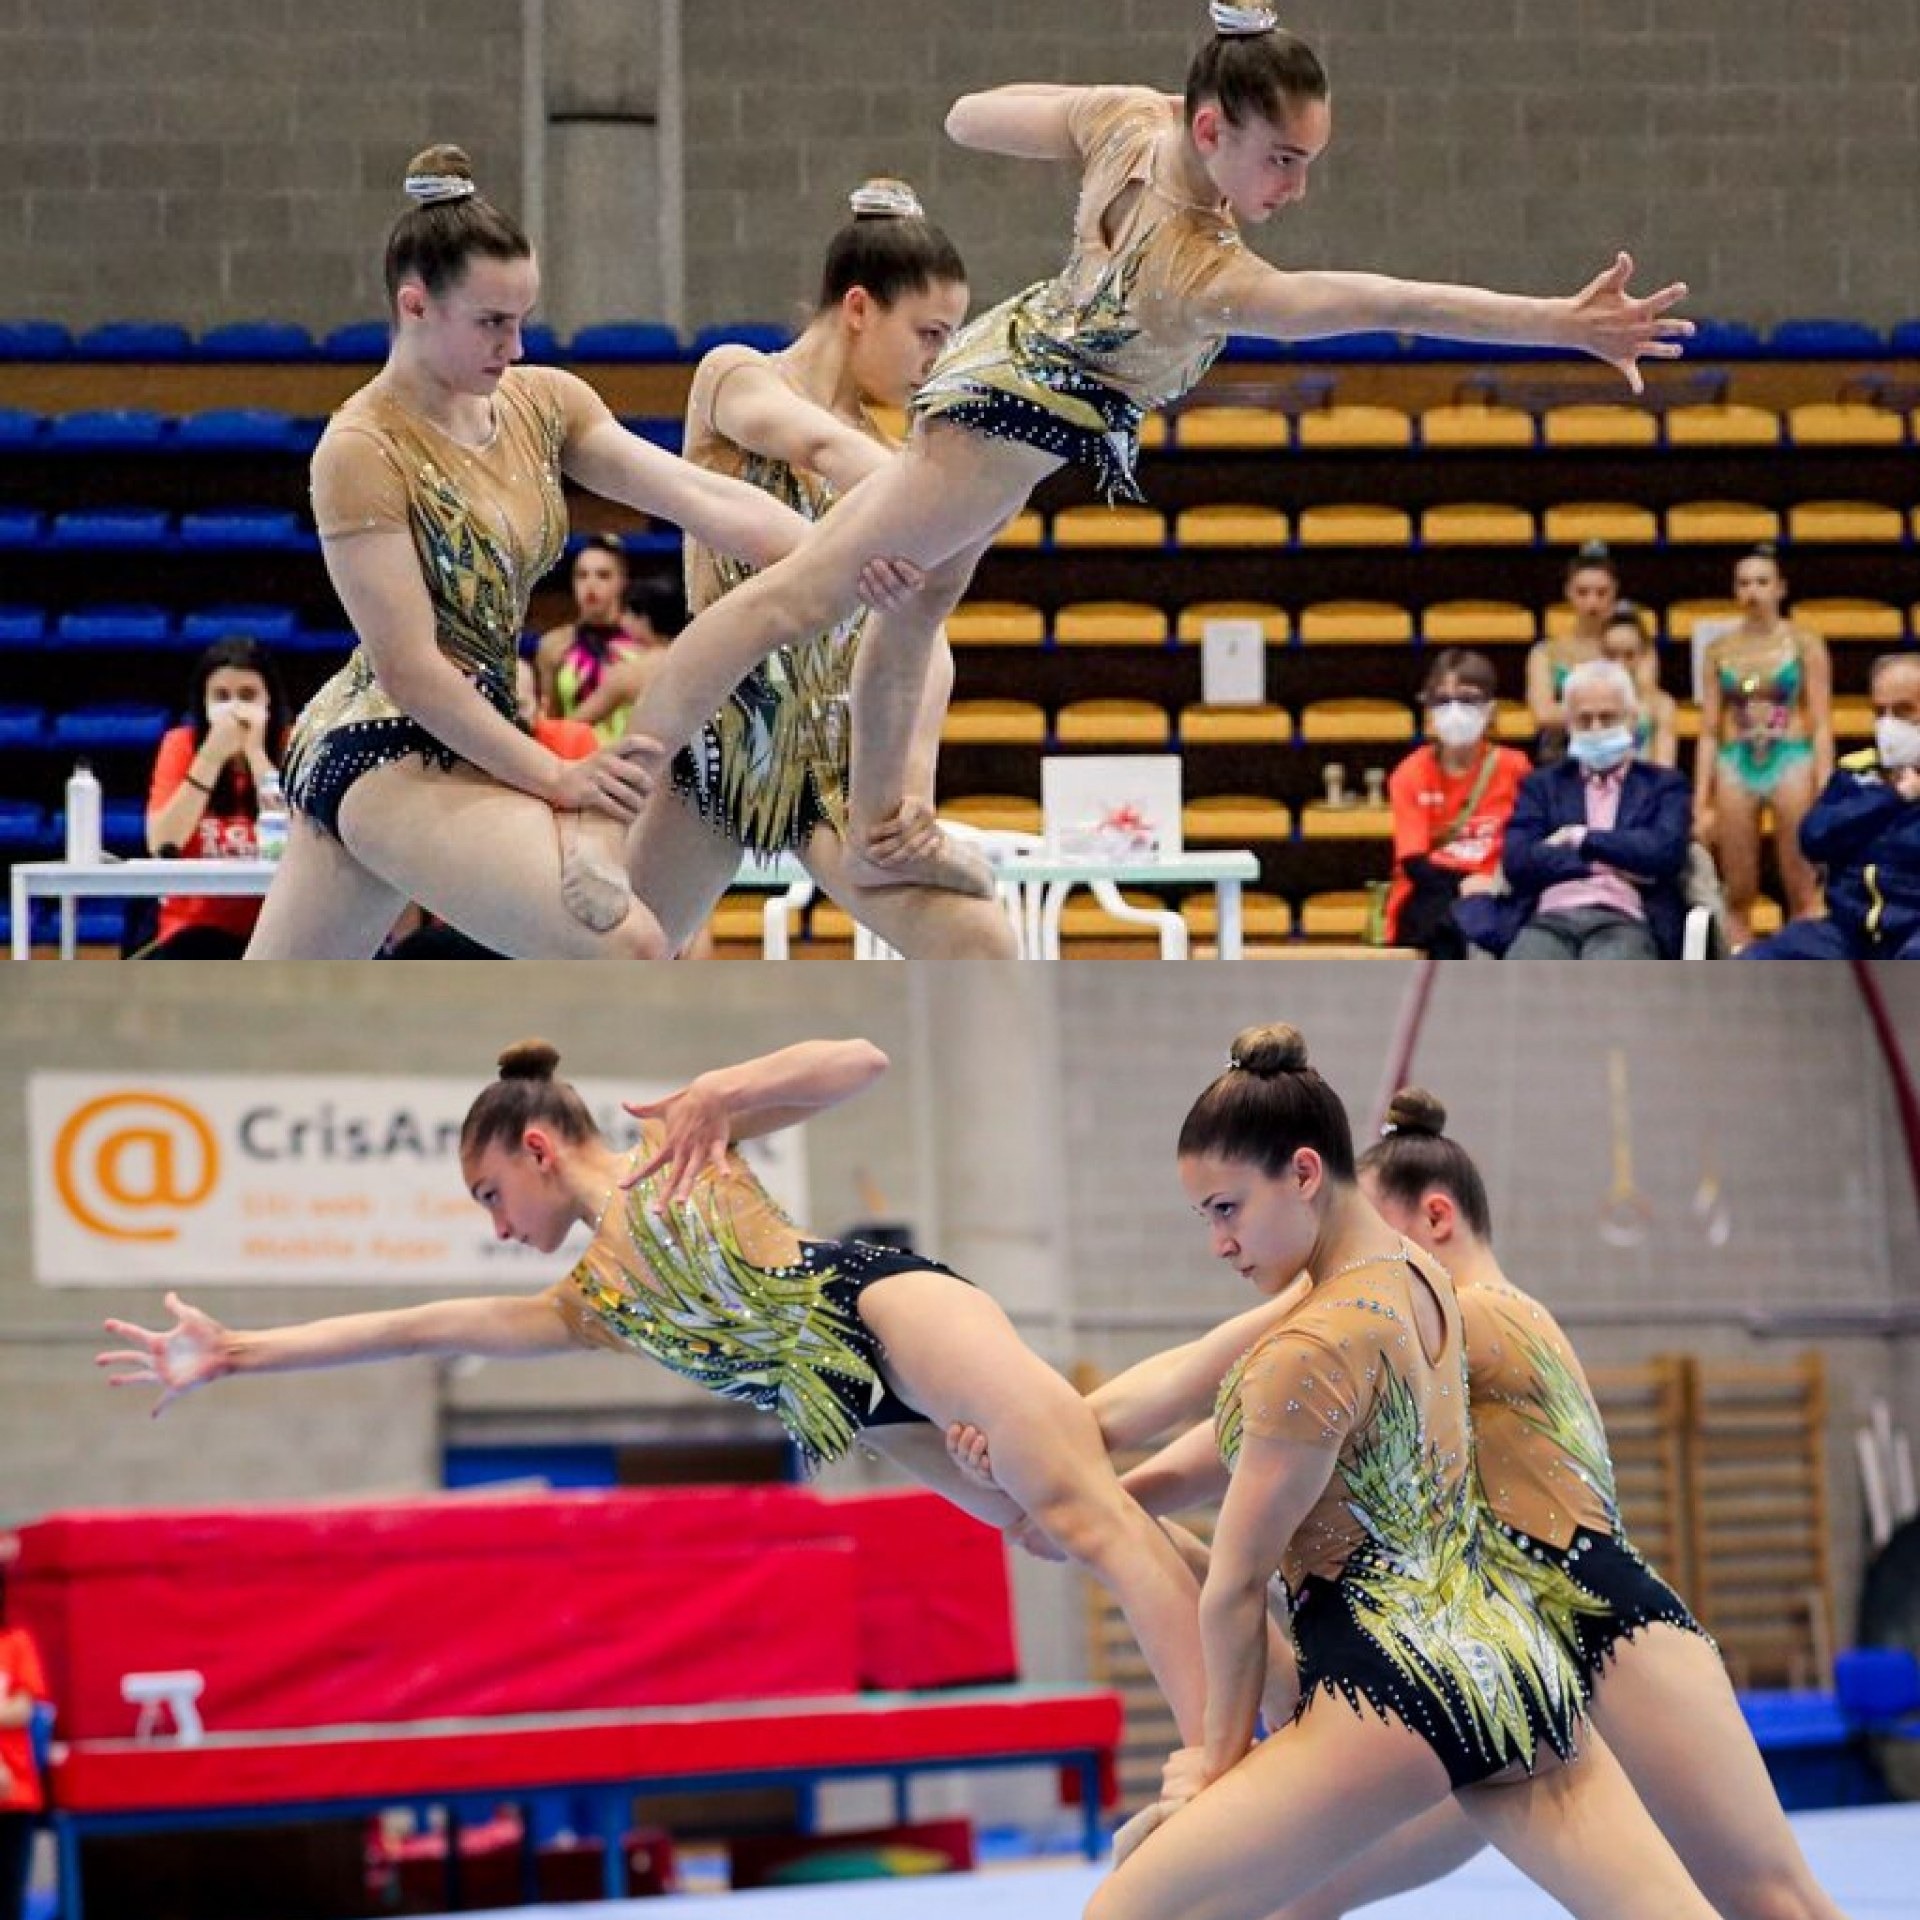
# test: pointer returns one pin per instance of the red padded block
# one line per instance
(505, 1756)
(936, 1607)
(406, 1609)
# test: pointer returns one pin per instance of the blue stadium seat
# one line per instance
(1905, 340)
(34, 340)
(24, 827)
(1375, 344)
(625, 340)
(271, 626)
(1250, 347)
(22, 627)
(540, 345)
(1723, 340)
(257, 340)
(238, 430)
(121, 724)
(106, 429)
(123, 826)
(135, 340)
(242, 527)
(18, 428)
(111, 527)
(114, 627)
(358, 340)
(22, 727)
(1826, 340)
(761, 336)
(20, 526)
(663, 432)
(329, 643)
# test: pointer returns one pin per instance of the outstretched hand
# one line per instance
(698, 1135)
(1615, 326)
(188, 1354)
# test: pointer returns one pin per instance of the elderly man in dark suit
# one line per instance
(1597, 846)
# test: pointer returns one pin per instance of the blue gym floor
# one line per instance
(1868, 1859)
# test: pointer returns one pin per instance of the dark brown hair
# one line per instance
(433, 242)
(1415, 1156)
(1267, 1106)
(1461, 663)
(525, 1095)
(890, 254)
(1254, 76)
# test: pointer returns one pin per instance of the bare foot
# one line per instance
(594, 889)
(924, 856)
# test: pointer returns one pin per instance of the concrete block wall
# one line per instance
(221, 158)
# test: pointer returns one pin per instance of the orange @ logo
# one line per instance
(126, 1155)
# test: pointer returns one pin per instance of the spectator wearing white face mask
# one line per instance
(204, 800)
(1865, 830)
(1451, 797)
(1597, 845)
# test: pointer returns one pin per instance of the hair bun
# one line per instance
(529, 1060)
(885, 199)
(1594, 550)
(1266, 1051)
(1415, 1110)
(1236, 23)
(437, 175)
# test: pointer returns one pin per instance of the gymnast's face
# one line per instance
(894, 348)
(471, 334)
(522, 1191)
(1262, 166)
(1760, 587)
(1262, 1224)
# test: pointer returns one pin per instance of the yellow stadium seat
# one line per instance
(1618, 522)
(1231, 526)
(1477, 426)
(994, 812)
(1852, 619)
(1109, 527)
(739, 920)
(1335, 916)
(1223, 428)
(1236, 726)
(1318, 821)
(998, 723)
(1478, 623)
(1724, 425)
(1686, 720)
(1470, 523)
(1111, 623)
(1815, 520)
(1355, 426)
(1684, 615)
(829, 927)
(1025, 529)
(1513, 723)
(1369, 722)
(1085, 922)
(1153, 433)
(1586, 424)
(1274, 622)
(1700, 522)
(1263, 917)
(1764, 916)
(1355, 526)
(1354, 623)
(1234, 819)
(1845, 423)
(1113, 723)
(1852, 717)
(996, 623)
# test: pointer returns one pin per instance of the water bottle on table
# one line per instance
(273, 822)
(83, 816)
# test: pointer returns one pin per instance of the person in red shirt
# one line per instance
(1452, 797)
(22, 1797)
(570, 739)
(204, 800)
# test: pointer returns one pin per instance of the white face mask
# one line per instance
(1601, 752)
(242, 706)
(1457, 723)
(1897, 742)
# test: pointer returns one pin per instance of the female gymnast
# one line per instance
(1064, 373)
(1766, 740)
(768, 772)
(1420, 1667)
(693, 1265)
(437, 492)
